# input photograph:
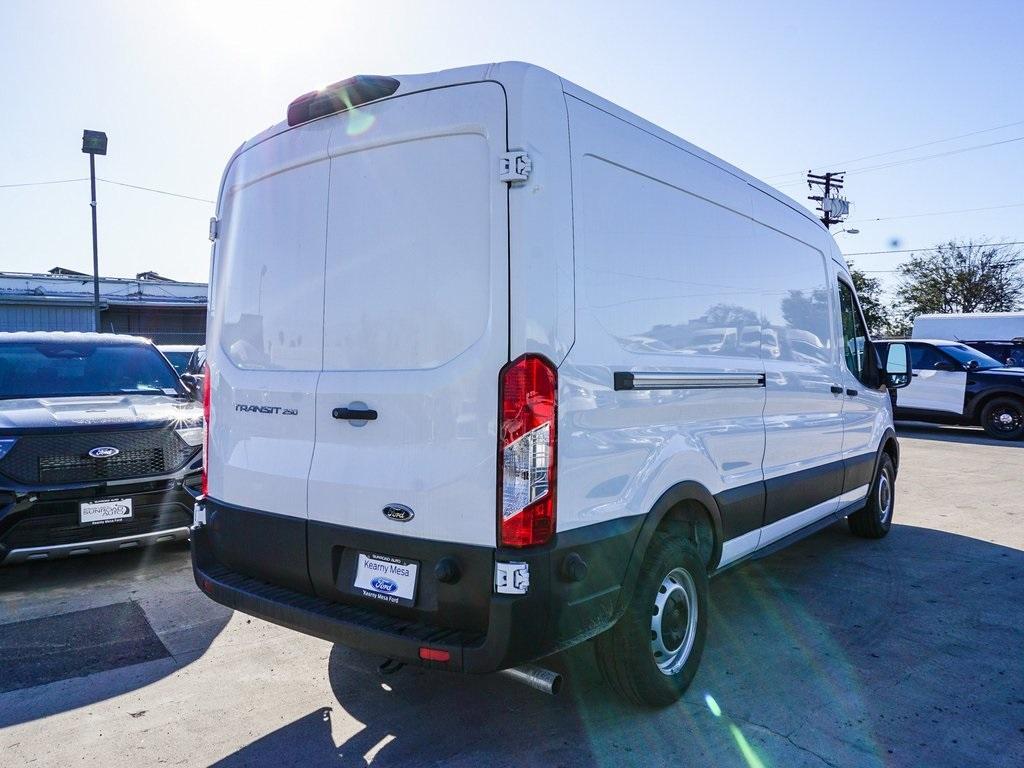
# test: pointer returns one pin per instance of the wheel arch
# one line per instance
(980, 400)
(891, 446)
(685, 503)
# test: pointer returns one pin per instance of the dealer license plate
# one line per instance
(106, 511)
(386, 578)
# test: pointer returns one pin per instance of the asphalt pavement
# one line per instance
(907, 651)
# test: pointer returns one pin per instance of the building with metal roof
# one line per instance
(165, 310)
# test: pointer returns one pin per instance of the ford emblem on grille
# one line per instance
(398, 512)
(104, 451)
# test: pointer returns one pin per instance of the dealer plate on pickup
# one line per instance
(105, 511)
(386, 578)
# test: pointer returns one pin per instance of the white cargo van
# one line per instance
(476, 389)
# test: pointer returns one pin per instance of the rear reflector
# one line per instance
(347, 94)
(434, 654)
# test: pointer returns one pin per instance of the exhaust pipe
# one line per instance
(538, 678)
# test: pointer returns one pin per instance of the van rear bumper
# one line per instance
(481, 631)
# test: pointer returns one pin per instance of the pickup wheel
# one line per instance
(653, 651)
(874, 520)
(1003, 418)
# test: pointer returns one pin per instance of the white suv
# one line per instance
(462, 405)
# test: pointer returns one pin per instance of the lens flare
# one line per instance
(358, 122)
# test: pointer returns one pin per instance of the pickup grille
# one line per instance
(55, 459)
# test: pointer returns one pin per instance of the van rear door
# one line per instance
(265, 351)
(415, 319)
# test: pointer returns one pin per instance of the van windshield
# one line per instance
(67, 369)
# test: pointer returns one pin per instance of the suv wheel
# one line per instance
(1003, 418)
(653, 651)
(874, 520)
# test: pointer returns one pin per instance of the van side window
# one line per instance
(854, 334)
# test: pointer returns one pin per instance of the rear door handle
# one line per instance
(851, 392)
(836, 390)
(354, 414)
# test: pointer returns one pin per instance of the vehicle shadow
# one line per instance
(904, 651)
(136, 616)
(949, 434)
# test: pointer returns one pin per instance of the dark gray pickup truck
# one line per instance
(100, 446)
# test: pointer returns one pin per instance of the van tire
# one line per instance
(1003, 418)
(875, 519)
(625, 653)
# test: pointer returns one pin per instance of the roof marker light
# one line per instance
(345, 95)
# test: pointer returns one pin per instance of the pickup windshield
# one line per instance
(966, 355)
(68, 369)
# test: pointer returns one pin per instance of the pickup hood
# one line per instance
(94, 411)
(1001, 374)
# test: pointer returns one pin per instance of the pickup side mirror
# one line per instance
(191, 384)
(897, 366)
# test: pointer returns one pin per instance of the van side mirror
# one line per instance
(897, 366)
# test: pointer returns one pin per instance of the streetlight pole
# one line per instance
(94, 143)
(95, 247)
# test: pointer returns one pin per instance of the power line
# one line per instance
(42, 183)
(909, 160)
(157, 191)
(923, 250)
(938, 213)
(904, 149)
(109, 181)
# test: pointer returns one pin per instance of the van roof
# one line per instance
(514, 74)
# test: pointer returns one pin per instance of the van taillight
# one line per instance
(526, 452)
(206, 427)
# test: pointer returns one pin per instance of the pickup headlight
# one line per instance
(192, 436)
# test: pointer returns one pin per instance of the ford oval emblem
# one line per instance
(104, 452)
(383, 585)
(398, 512)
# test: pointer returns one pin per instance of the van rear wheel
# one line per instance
(653, 651)
(875, 519)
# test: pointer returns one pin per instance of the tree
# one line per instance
(807, 313)
(963, 276)
(869, 292)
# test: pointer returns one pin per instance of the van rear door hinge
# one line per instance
(214, 228)
(515, 167)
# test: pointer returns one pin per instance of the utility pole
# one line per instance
(833, 208)
(94, 143)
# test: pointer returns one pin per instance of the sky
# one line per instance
(774, 87)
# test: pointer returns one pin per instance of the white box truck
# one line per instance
(475, 388)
